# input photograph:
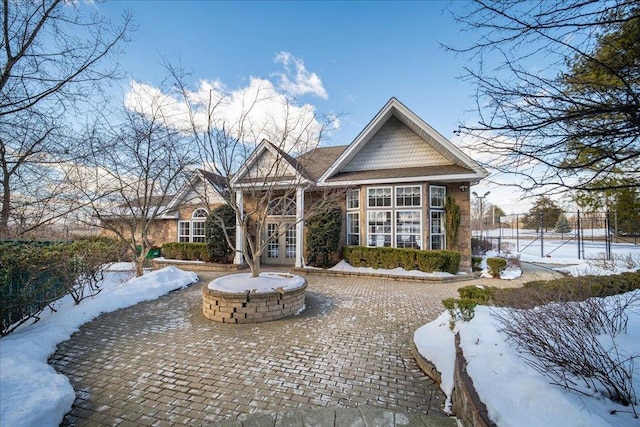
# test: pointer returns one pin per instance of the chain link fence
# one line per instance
(572, 234)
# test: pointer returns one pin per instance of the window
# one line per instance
(353, 199)
(282, 206)
(379, 225)
(408, 229)
(437, 196)
(408, 196)
(193, 230)
(183, 231)
(353, 228)
(379, 197)
(394, 217)
(437, 236)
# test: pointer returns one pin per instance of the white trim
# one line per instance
(392, 181)
(239, 258)
(299, 226)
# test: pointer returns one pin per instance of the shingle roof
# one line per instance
(314, 163)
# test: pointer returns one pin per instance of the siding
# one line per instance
(395, 146)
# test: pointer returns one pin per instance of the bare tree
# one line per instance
(132, 175)
(54, 57)
(557, 90)
(277, 147)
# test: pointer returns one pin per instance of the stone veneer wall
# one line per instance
(250, 307)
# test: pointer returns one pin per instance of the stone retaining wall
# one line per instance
(249, 307)
(465, 402)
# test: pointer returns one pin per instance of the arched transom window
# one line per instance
(193, 230)
(282, 206)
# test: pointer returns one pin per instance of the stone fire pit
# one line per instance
(240, 298)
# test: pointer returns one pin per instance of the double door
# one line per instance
(281, 247)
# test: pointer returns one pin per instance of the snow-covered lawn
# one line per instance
(31, 392)
(516, 394)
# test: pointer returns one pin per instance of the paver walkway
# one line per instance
(163, 363)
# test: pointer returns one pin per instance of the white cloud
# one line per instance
(297, 80)
(251, 113)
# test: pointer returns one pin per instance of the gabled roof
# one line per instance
(460, 166)
(314, 163)
(218, 183)
(293, 169)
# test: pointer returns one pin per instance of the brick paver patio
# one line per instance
(163, 363)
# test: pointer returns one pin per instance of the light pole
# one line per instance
(481, 198)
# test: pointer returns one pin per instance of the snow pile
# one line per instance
(514, 393)
(267, 282)
(33, 394)
(345, 266)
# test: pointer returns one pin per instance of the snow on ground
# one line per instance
(267, 282)
(32, 392)
(345, 266)
(514, 393)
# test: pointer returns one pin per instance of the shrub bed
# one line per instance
(186, 251)
(409, 259)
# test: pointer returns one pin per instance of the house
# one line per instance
(178, 217)
(397, 174)
(395, 177)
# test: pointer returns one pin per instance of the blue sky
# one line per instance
(352, 56)
(363, 52)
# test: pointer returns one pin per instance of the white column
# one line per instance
(299, 226)
(239, 259)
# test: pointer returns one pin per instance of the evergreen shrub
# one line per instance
(217, 247)
(496, 266)
(323, 237)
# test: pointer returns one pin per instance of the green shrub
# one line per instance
(464, 307)
(186, 251)
(218, 249)
(475, 263)
(323, 237)
(409, 259)
(496, 266)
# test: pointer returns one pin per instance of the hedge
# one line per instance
(409, 259)
(186, 251)
(33, 275)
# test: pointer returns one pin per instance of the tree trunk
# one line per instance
(6, 209)
(255, 266)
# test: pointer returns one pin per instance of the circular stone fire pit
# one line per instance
(240, 298)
